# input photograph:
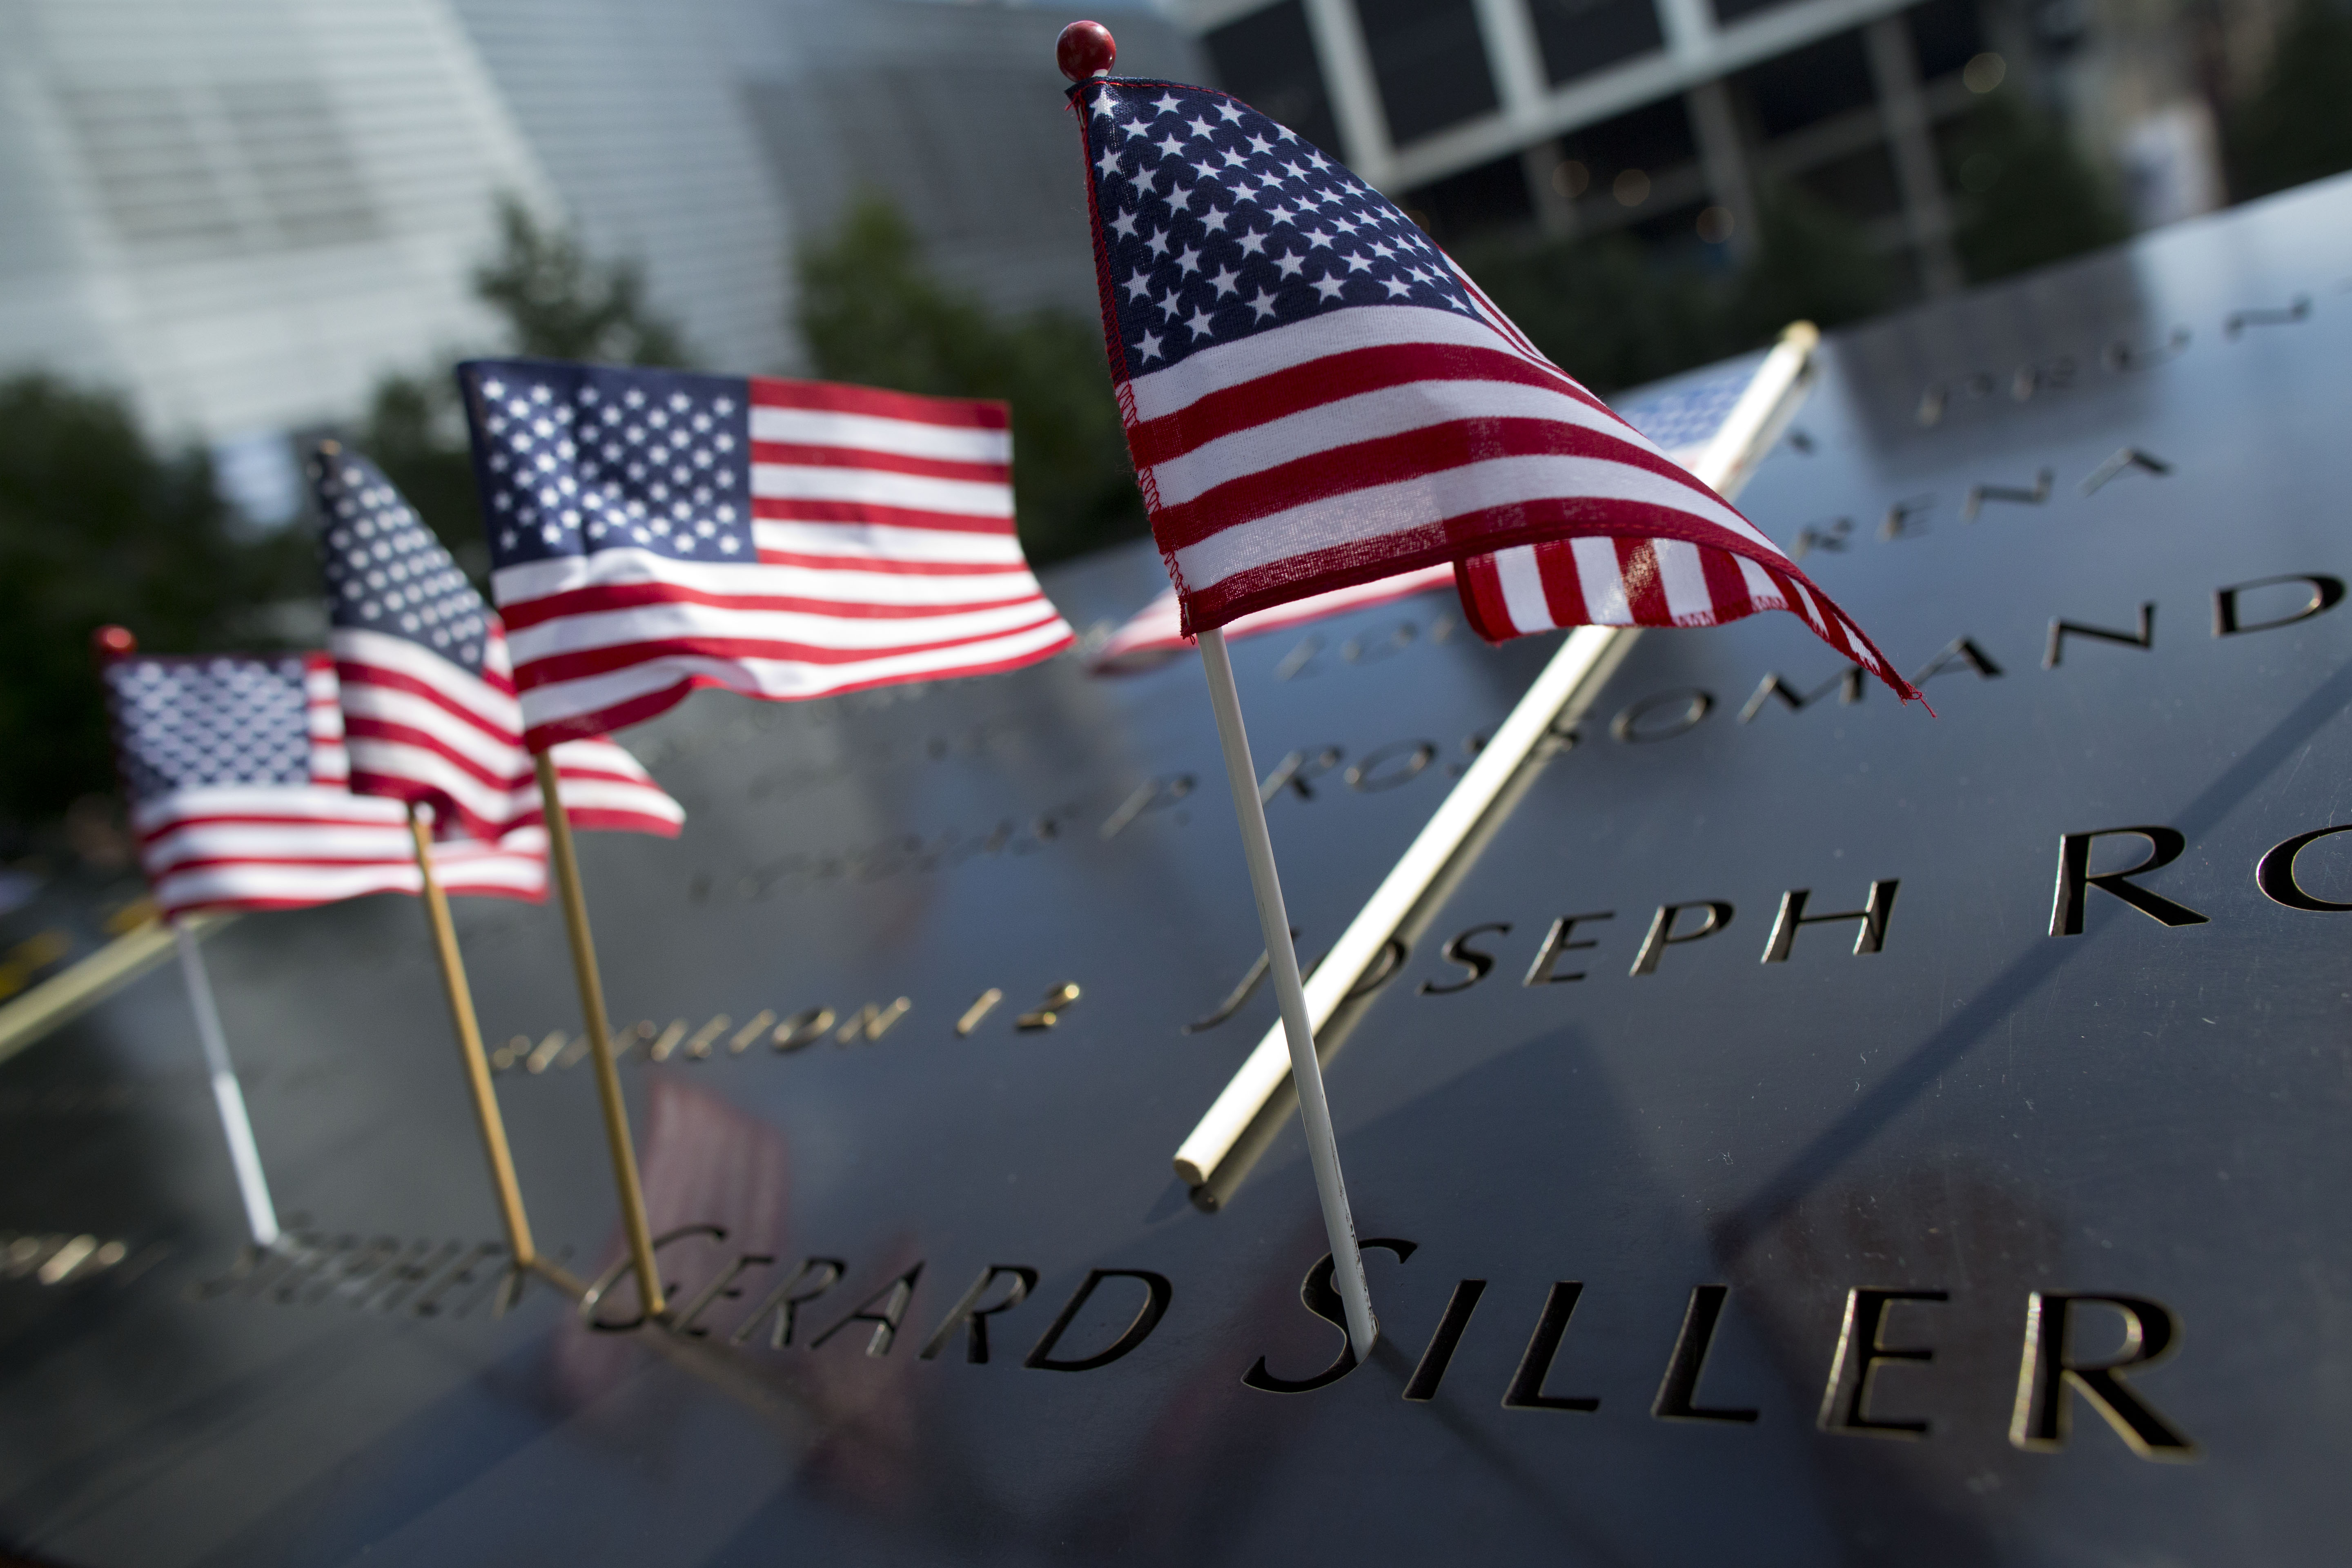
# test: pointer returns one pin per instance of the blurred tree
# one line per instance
(95, 526)
(2030, 195)
(2296, 128)
(1813, 263)
(1599, 307)
(554, 302)
(873, 313)
(1614, 316)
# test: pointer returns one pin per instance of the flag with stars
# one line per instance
(428, 694)
(1315, 396)
(656, 530)
(238, 777)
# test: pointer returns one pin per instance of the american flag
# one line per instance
(428, 694)
(1315, 396)
(656, 530)
(1679, 419)
(238, 783)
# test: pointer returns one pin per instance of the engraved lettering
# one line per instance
(894, 1299)
(1317, 1292)
(970, 1312)
(2326, 593)
(2145, 637)
(1158, 1293)
(1555, 942)
(1862, 1349)
(1297, 773)
(1662, 932)
(1680, 1387)
(2127, 459)
(1696, 705)
(800, 1029)
(1239, 995)
(1525, 1392)
(1421, 1387)
(1961, 653)
(1979, 494)
(2266, 316)
(2048, 1375)
(783, 1303)
(721, 1284)
(1458, 951)
(2274, 873)
(2165, 844)
(1365, 777)
(1873, 915)
(1048, 1012)
(1849, 691)
(594, 1294)
(1897, 522)
(1155, 794)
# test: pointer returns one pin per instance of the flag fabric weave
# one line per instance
(1679, 419)
(237, 772)
(428, 696)
(654, 531)
(1628, 581)
(1315, 396)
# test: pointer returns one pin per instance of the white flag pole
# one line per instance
(260, 1216)
(1314, 1111)
(1747, 432)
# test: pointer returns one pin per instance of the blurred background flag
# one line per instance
(237, 776)
(428, 694)
(656, 531)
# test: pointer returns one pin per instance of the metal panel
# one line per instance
(1773, 1229)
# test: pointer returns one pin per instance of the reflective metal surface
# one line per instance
(1793, 1219)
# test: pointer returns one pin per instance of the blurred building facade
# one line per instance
(243, 212)
(1668, 116)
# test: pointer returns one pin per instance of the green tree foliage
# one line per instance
(554, 302)
(95, 526)
(1812, 264)
(2029, 196)
(1615, 317)
(873, 313)
(2297, 127)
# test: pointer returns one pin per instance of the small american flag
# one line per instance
(1315, 396)
(238, 777)
(428, 696)
(654, 530)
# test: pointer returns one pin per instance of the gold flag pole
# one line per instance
(469, 1045)
(599, 1040)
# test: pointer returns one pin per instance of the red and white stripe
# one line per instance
(270, 846)
(1357, 444)
(887, 553)
(1683, 576)
(1156, 631)
(424, 729)
(260, 846)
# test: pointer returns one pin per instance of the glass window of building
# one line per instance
(1268, 60)
(1580, 36)
(1430, 62)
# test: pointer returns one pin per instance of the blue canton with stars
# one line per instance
(1688, 411)
(1216, 223)
(385, 572)
(187, 723)
(575, 459)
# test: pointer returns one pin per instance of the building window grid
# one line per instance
(1786, 156)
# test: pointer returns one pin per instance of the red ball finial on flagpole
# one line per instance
(112, 642)
(1086, 51)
